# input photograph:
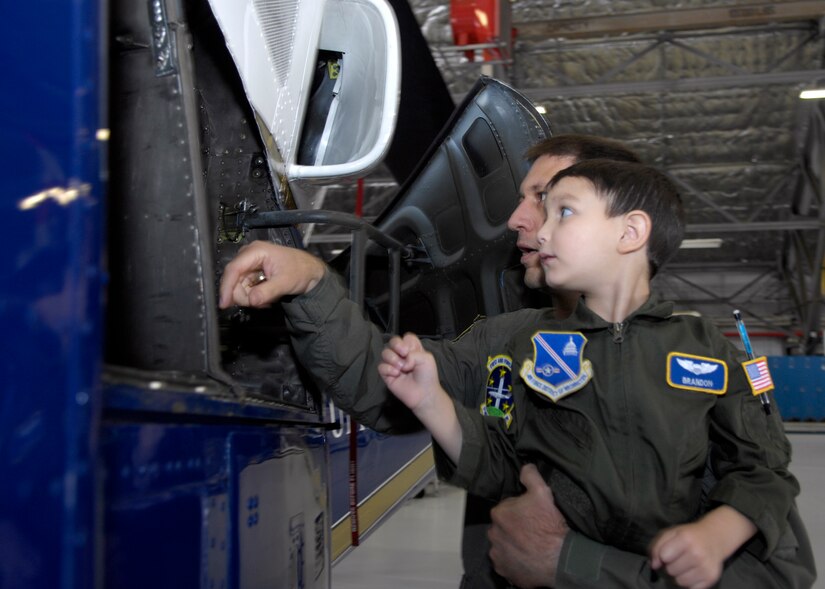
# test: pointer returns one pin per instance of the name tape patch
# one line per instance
(697, 373)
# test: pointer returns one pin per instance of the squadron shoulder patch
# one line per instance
(558, 367)
(759, 377)
(498, 401)
(697, 373)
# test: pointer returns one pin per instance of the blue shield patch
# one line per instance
(558, 367)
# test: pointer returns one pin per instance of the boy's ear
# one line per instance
(636, 231)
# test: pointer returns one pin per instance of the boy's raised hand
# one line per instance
(411, 374)
(409, 370)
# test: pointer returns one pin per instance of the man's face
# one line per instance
(529, 214)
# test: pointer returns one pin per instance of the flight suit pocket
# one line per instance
(565, 436)
(767, 431)
(572, 425)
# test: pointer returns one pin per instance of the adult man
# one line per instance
(529, 537)
(295, 274)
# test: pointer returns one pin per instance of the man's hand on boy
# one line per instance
(527, 534)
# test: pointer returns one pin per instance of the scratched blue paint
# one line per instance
(50, 287)
(121, 486)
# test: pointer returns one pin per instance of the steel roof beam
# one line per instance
(741, 227)
(722, 300)
(672, 20)
(709, 266)
(680, 85)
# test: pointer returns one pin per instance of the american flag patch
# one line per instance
(758, 375)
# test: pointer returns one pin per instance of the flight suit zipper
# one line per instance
(618, 332)
(623, 520)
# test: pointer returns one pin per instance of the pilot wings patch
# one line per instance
(696, 373)
(697, 368)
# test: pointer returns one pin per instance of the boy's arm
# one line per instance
(489, 462)
(440, 419)
(693, 554)
(412, 376)
(750, 459)
(532, 548)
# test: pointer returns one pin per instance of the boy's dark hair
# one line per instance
(581, 147)
(631, 186)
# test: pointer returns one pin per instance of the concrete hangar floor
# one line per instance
(419, 546)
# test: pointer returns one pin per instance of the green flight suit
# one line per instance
(625, 443)
(341, 351)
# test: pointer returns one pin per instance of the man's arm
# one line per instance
(336, 344)
(532, 547)
(332, 340)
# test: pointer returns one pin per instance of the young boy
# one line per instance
(619, 402)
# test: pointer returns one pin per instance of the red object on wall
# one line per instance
(480, 21)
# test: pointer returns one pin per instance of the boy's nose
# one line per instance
(544, 232)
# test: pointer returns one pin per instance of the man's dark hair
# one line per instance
(581, 147)
(631, 186)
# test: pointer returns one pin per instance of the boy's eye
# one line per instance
(565, 212)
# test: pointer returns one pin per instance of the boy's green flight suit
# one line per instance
(341, 350)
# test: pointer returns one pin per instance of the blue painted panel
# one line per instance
(212, 401)
(800, 386)
(50, 285)
(157, 480)
(215, 506)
